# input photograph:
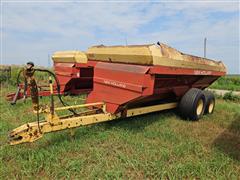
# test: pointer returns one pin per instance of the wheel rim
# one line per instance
(211, 106)
(200, 107)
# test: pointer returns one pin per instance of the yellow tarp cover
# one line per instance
(69, 56)
(152, 54)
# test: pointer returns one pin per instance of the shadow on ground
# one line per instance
(135, 125)
(228, 141)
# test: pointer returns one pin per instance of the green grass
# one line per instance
(153, 146)
(229, 96)
(228, 82)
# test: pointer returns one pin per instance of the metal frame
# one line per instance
(33, 131)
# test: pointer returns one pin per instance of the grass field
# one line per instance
(228, 82)
(150, 146)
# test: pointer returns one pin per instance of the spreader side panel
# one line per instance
(116, 84)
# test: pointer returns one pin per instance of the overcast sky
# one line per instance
(32, 31)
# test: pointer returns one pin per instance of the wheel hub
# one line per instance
(200, 107)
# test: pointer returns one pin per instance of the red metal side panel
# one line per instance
(74, 78)
(183, 71)
(117, 84)
(64, 73)
(64, 69)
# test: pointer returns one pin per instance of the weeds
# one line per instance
(228, 82)
(229, 96)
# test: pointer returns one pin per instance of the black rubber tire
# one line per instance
(189, 102)
(210, 98)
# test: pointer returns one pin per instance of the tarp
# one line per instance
(151, 54)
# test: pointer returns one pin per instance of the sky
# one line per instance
(33, 31)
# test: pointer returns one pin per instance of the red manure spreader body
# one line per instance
(123, 76)
(125, 81)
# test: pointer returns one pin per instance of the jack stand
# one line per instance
(72, 133)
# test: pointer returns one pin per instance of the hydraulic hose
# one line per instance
(25, 81)
(18, 88)
(25, 88)
(38, 107)
(58, 88)
(56, 80)
(18, 76)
